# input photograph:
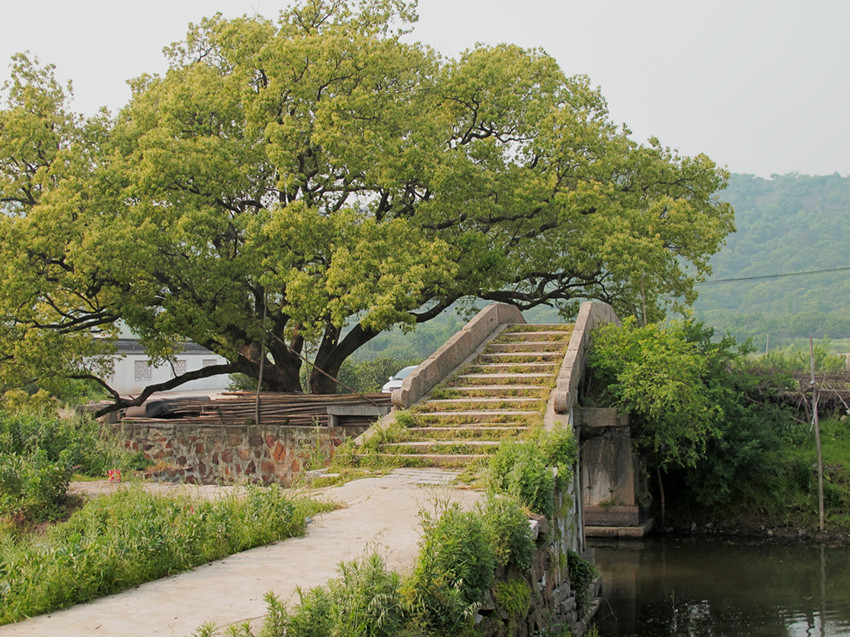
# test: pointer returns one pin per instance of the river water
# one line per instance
(687, 586)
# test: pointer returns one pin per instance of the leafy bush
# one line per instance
(364, 601)
(39, 453)
(513, 597)
(582, 574)
(699, 410)
(453, 572)
(32, 487)
(531, 469)
(509, 531)
(119, 540)
(88, 448)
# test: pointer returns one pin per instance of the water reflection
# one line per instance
(665, 587)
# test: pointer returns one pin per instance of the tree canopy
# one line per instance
(297, 187)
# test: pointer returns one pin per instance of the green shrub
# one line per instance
(509, 531)
(39, 453)
(32, 486)
(513, 597)
(531, 470)
(582, 574)
(453, 572)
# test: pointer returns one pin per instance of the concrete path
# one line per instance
(379, 514)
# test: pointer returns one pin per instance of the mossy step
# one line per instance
(465, 432)
(452, 419)
(474, 427)
(519, 376)
(539, 327)
(438, 423)
(476, 413)
(523, 364)
(526, 346)
(541, 391)
(465, 408)
(446, 446)
(422, 460)
(520, 355)
(478, 400)
(555, 334)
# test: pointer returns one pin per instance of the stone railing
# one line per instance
(454, 352)
(591, 314)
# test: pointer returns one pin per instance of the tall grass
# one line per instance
(119, 540)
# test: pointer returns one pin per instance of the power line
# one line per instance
(773, 276)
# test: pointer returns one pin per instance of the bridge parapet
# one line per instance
(454, 352)
(591, 314)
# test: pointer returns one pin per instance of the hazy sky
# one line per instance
(761, 86)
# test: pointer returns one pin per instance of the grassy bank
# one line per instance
(129, 537)
(57, 550)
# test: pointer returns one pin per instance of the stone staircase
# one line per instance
(500, 394)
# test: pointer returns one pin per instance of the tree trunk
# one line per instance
(332, 355)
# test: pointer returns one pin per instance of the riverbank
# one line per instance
(754, 527)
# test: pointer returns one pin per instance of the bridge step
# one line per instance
(525, 346)
(486, 390)
(516, 376)
(446, 446)
(465, 433)
(499, 395)
(465, 403)
(432, 460)
(481, 413)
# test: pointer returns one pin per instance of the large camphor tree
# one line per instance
(297, 187)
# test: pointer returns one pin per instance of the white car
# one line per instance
(396, 379)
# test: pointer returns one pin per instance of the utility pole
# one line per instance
(816, 424)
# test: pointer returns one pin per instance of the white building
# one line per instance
(133, 370)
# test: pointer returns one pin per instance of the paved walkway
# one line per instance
(378, 514)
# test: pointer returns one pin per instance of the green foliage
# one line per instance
(659, 376)
(364, 601)
(39, 453)
(32, 487)
(701, 409)
(513, 596)
(453, 571)
(509, 532)
(582, 574)
(531, 469)
(119, 540)
(302, 185)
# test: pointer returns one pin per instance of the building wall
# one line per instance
(133, 372)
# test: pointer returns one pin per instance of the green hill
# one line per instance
(786, 225)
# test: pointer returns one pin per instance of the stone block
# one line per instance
(611, 516)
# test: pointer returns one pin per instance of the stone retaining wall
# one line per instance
(212, 454)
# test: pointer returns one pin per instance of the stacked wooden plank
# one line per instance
(239, 408)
